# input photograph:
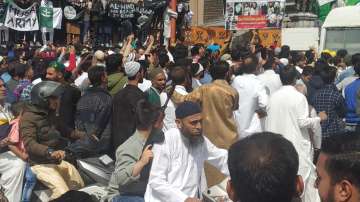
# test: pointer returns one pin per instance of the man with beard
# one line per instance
(338, 169)
(158, 81)
(71, 95)
(177, 170)
(219, 101)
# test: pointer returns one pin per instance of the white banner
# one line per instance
(21, 19)
(323, 2)
(57, 18)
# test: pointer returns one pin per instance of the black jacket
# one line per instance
(123, 121)
(93, 116)
(66, 118)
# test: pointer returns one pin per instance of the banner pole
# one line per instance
(173, 23)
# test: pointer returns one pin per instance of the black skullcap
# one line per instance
(187, 109)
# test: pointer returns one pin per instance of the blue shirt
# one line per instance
(346, 73)
(351, 102)
(213, 48)
(207, 78)
(6, 77)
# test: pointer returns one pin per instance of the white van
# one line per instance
(341, 30)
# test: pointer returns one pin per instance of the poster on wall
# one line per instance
(207, 35)
(254, 14)
(270, 37)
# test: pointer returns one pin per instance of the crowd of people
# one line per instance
(281, 124)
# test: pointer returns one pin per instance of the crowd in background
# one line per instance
(169, 115)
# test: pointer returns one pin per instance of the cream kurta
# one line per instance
(176, 172)
(218, 101)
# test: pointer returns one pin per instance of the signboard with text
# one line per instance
(254, 14)
(123, 10)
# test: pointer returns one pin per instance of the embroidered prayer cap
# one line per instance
(132, 68)
(186, 109)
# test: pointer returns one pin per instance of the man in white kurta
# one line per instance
(253, 96)
(169, 119)
(288, 114)
(177, 169)
(270, 79)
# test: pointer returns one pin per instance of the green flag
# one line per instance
(50, 17)
(352, 2)
(324, 10)
(46, 17)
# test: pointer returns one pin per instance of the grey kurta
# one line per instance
(127, 155)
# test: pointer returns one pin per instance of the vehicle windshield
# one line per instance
(343, 38)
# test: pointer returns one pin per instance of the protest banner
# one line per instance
(270, 37)
(254, 14)
(77, 3)
(21, 19)
(123, 10)
(207, 35)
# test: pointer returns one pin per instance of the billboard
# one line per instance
(254, 14)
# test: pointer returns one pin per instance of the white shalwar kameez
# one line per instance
(288, 115)
(253, 96)
(177, 168)
(169, 119)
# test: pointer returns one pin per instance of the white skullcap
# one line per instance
(277, 51)
(110, 52)
(132, 68)
(99, 55)
(201, 68)
(284, 61)
(225, 57)
(230, 63)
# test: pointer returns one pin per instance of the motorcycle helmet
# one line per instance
(41, 92)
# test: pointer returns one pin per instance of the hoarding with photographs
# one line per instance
(254, 14)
